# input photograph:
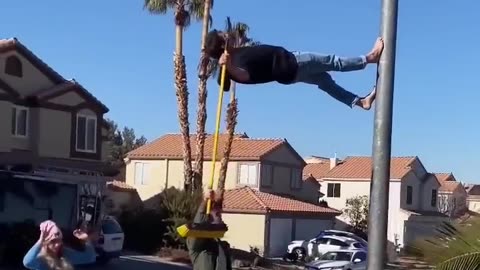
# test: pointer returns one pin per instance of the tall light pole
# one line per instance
(382, 140)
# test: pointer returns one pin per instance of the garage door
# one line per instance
(280, 236)
(306, 229)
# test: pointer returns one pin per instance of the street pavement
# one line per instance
(140, 262)
(133, 262)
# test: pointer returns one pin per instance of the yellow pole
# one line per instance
(216, 134)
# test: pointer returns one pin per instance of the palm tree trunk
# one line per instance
(182, 96)
(202, 100)
(232, 113)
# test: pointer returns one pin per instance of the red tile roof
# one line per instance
(445, 177)
(119, 186)
(361, 168)
(316, 170)
(449, 186)
(447, 182)
(248, 200)
(243, 148)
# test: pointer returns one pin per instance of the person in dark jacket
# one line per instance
(205, 253)
(267, 63)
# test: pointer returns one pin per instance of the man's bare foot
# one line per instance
(367, 102)
(374, 55)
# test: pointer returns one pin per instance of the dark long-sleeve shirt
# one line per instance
(264, 63)
(206, 253)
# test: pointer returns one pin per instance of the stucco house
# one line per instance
(413, 192)
(266, 195)
(50, 126)
(473, 198)
(452, 196)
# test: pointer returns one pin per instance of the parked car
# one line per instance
(110, 241)
(343, 234)
(340, 260)
(321, 245)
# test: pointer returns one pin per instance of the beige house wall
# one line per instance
(245, 230)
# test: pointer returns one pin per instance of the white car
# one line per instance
(344, 234)
(321, 245)
(110, 242)
(340, 260)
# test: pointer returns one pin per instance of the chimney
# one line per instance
(333, 162)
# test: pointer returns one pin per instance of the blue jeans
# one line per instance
(313, 69)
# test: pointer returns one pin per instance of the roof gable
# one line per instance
(170, 146)
(450, 186)
(69, 91)
(360, 168)
(59, 86)
(443, 177)
(283, 150)
(448, 183)
(474, 190)
(14, 44)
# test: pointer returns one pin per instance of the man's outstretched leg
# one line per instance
(314, 63)
(326, 83)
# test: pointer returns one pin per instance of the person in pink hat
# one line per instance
(49, 253)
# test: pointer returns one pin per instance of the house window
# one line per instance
(86, 133)
(296, 178)
(248, 174)
(433, 201)
(142, 173)
(267, 175)
(409, 195)
(13, 66)
(19, 121)
(333, 190)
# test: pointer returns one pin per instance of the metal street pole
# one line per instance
(382, 141)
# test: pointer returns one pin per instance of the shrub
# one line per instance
(180, 207)
(143, 228)
(147, 229)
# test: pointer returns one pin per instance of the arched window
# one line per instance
(13, 66)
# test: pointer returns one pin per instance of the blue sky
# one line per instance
(124, 56)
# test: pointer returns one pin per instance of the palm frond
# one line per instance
(468, 261)
(195, 8)
(159, 6)
(453, 246)
(188, 19)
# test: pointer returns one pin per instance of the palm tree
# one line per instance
(203, 74)
(183, 10)
(453, 247)
(238, 36)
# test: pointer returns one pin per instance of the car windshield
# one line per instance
(336, 256)
(110, 226)
(359, 245)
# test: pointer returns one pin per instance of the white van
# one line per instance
(110, 240)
